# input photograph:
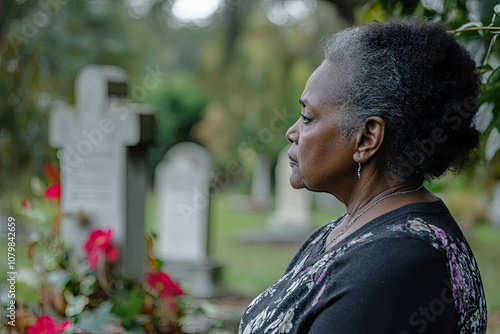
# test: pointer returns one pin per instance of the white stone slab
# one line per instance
(292, 210)
(182, 186)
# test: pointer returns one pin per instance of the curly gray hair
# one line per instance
(421, 81)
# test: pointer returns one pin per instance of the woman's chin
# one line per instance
(296, 181)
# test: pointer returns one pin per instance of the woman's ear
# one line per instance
(369, 139)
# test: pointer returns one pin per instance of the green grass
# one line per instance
(485, 244)
(249, 268)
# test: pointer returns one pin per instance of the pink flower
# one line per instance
(47, 325)
(99, 244)
(165, 287)
(440, 234)
(53, 191)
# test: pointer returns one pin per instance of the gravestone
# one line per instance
(292, 209)
(182, 186)
(291, 220)
(260, 192)
(103, 163)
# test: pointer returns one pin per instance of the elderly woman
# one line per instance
(391, 105)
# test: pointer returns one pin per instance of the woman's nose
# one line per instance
(292, 134)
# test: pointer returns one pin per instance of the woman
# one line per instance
(391, 105)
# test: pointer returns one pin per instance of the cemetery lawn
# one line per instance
(249, 268)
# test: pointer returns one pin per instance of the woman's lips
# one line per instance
(292, 161)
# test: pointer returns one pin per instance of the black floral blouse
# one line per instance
(408, 271)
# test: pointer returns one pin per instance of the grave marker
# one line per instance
(292, 212)
(99, 143)
(182, 186)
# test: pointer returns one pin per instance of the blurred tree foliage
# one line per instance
(231, 75)
(179, 104)
(233, 80)
(43, 44)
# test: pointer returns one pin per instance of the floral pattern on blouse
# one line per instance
(282, 307)
(462, 269)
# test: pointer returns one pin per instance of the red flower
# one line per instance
(51, 172)
(166, 288)
(47, 325)
(99, 244)
(53, 191)
(25, 205)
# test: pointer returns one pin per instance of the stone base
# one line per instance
(202, 280)
(250, 203)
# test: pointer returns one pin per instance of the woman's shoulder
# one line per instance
(415, 240)
(430, 222)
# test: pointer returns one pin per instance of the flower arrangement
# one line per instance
(64, 293)
(91, 296)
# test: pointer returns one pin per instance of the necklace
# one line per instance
(362, 213)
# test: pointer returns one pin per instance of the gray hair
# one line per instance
(416, 76)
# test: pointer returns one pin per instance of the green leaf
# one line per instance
(87, 285)
(128, 304)
(373, 11)
(58, 278)
(494, 77)
(496, 9)
(37, 186)
(485, 67)
(93, 321)
(25, 293)
(75, 304)
(469, 24)
(492, 144)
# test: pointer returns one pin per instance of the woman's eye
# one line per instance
(305, 119)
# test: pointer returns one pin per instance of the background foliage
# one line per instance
(226, 73)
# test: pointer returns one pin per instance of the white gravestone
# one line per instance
(291, 220)
(182, 186)
(292, 212)
(260, 192)
(92, 139)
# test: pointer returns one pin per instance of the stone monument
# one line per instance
(103, 163)
(292, 207)
(182, 186)
(291, 220)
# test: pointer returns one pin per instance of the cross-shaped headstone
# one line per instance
(94, 141)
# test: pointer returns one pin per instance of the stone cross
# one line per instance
(97, 141)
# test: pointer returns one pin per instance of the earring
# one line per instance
(359, 169)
